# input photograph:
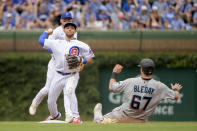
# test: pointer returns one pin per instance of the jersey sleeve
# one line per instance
(118, 87)
(49, 44)
(87, 52)
(167, 93)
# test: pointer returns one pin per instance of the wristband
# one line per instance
(84, 61)
(42, 38)
(114, 75)
(45, 33)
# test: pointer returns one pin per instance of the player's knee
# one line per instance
(45, 91)
(69, 91)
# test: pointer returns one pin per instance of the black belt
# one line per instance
(64, 74)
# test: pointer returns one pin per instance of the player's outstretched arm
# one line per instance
(44, 36)
(176, 87)
(117, 69)
(86, 61)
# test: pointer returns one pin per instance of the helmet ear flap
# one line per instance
(148, 71)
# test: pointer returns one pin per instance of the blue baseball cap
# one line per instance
(70, 23)
(66, 15)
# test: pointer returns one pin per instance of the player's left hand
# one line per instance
(73, 61)
(81, 67)
(118, 68)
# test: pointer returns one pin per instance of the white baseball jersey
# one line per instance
(58, 34)
(70, 82)
(141, 96)
(62, 47)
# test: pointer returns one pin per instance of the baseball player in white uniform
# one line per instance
(141, 95)
(58, 34)
(65, 76)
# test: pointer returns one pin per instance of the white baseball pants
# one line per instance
(59, 82)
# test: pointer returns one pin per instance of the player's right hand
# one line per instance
(176, 86)
(118, 68)
(49, 31)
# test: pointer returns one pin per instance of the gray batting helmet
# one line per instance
(147, 66)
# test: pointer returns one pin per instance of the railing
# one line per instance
(112, 41)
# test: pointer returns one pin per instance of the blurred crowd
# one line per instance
(100, 14)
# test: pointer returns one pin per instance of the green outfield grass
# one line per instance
(89, 126)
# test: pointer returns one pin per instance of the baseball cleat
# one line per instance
(53, 118)
(32, 108)
(98, 113)
(77, 120)
(69, 119)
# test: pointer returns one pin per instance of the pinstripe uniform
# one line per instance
(140, 98)
(64, 77)
(58, 34)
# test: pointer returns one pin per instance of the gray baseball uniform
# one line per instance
(140, 98)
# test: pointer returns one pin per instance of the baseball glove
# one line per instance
(73, 61)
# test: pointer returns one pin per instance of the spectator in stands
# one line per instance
(116, 14)
(42, 18)
(48, 6)
(27, 18)
(93, 24)
(161, 5)
(177, 23)
(195, 17)
(86, 15)
(104, 2)
(144, 3)
(103, 13)
(143, 18)
(172, 2)
(126, 6)
(194, 1)
(104, 16)
(8, 22)
(68, 1)
(55, 14)
(106, 22)
(2, 4)
(132, 15)
(110, 6)
(116, 18)
(120, 25)
(102, 24)
(61, 6)
(155, 18)
(76, 14)
(95, 7)
(185, 9)
(120, 22)
(7, 3)
(168, 17)
(10, 17)
(19, 5)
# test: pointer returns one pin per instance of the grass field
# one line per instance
(89, 126)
